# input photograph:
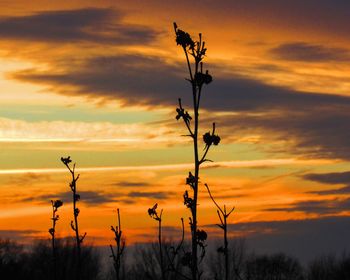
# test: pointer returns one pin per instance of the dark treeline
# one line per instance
(19, 262)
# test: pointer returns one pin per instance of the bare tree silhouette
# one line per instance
(197, 79)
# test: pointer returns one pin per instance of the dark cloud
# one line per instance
(304, 239)
(343, 190)
(316, 125)
(18, 235)
(322, 207)
(329, 178)
(147, 80)
(155, 195)
(87, 197)
(312, 131)
(131, 184)
(170, 233)
(84, 25)
(301, 17)
(304, 52)
(29, 178)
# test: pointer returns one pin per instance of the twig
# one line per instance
(223, 216)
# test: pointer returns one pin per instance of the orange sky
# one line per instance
(100, 82)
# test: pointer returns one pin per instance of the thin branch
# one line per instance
(212, 198)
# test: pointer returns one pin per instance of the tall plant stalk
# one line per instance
(197, 78)
(223, 215)
(75, 223)
(120, 246)
(55, 217)
(152, 212)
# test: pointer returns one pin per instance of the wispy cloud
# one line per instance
(180, 166)
(19, 131)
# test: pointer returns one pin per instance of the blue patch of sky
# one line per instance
(35, 113)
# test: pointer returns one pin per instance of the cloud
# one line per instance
(94, 25)
(87, 197)
(179, 166)
(131, 184)
(304, 52)
(276, 112)
(312, 131)
(329, 178)
(29, 178)
(149, 80)
(88, 133)
(304, 239)
(155, 195)
(18, 235)
(300, 17)
(343, 190)
(321, 207)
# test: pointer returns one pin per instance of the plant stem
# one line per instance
(53, 241)
(194, 267)
(76, 226)
(226, 246)
(161, 246)
(223, 215)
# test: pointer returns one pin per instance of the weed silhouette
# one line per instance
(223, 216)
(197, 79)
(55, 205)
(152, 212)
(120, 246)
(74, 224)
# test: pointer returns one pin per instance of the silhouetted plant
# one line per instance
(152, 212)
(55, 205)
(223, 216)
(173, 255)
(197, 79)
(146, 261)
(237, 257)
(169, 267)
(120, 246)
(74, 224)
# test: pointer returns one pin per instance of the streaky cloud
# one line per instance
(180, 166)
(320, 207)
(305, 52)
(93, 25)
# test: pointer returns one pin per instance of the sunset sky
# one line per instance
(100, 80)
